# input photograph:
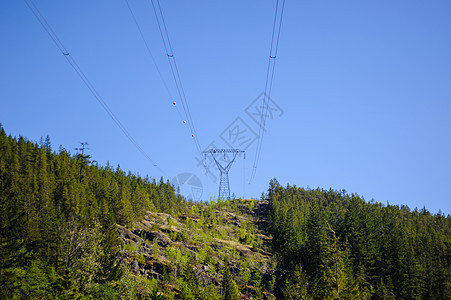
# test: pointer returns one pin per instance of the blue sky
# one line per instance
(364, 87)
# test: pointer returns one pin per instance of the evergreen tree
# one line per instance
(229, 289)
(350, 248)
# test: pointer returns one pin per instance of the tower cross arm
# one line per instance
(224, 186)
(223, 151)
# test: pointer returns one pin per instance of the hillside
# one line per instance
(71, 229)
(336, 245)
(204, 242)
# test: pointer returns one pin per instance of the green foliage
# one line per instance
(155, 295)
(192, 283)
(58, 235)
(195, 266)
(296, 286)
(59, 238)
(35, 281)
(245, 275)
(185, 291)
(229, 288)
(338, 246)
(67, 286)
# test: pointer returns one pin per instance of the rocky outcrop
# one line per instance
(154, 236)
(161, 244)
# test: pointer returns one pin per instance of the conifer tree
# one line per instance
(229, 289)
(377, 251)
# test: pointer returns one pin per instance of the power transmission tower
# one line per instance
(224, 186)
(84, 159)
(83, 147)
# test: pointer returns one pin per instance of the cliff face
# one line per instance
(205, 241)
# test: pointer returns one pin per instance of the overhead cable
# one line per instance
(149, 52)
(278, 16)
(148, 48)
(175, 72)
(42, 20)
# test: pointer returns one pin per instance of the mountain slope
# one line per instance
(71, 229)
(207, 239)
(337, 245)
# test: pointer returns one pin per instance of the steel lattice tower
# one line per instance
(224, 186)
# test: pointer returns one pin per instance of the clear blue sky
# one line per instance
(365, 89)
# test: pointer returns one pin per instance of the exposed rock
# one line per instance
(170, 228)
(202, 246)
(135, 265)
(161, 238)
(124, 233)
(158, 265)
(192, 247)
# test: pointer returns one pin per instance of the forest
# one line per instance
(335, 245)
(72, 229)
(58, 235)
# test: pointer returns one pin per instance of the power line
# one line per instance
(135, 20)
(174, 69)
(148, 49)
(175, 72)
(269, 80)
(42, 20)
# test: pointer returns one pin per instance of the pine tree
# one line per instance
(229, 289)
(335, 268)
(191, 280)
(297, 285)
(110, 269)
(13, 253)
